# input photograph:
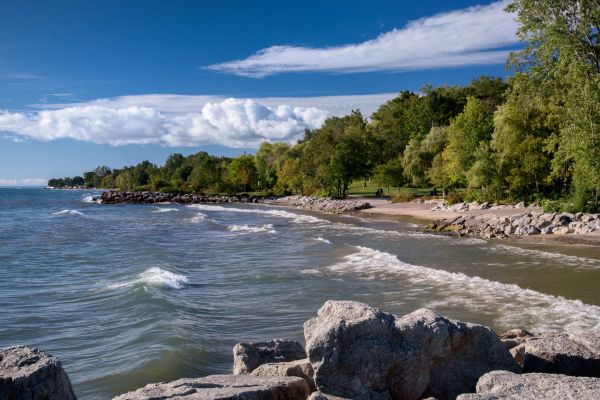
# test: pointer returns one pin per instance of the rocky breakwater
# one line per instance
(323, 204)
(117, 197)
(496, 221)
(354, 351)
(27, 373)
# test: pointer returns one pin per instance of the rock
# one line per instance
(560, 354)
(503, 385)
(520, 204)
(249, 355)
(27, 373)
(514, 337)
(224, 387)
(560, 230)
(360, 352)
(301, 368)
(324, 396)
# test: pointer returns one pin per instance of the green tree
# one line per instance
(474, 125)
(242, 172)
(390, 174)
(563, 50)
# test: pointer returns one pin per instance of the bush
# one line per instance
(402, 198)
(454, 198)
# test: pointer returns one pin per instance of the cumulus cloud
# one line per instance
(231, 122)
(472, 36)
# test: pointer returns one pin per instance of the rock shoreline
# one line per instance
(354, 351)
(528, 222)
(118, 197)
(322, 204)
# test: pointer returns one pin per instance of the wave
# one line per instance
(68, 212)
(199, 217)
(164, 210)
(320, 239)
(268, 228)
(299, 218)
(545, 255)
(88, 199)
(156, 277)
(518, 306)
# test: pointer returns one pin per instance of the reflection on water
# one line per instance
(128, 295)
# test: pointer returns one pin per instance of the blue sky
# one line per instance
(84, 83)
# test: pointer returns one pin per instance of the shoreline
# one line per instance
(424, 213)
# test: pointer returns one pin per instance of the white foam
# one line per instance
(516, 306)
(268, 228)
(88, 199)
(164, 210)
(199, 217)
(545, 255)
(320, 239)
(299, 218)
(68, 212)
(156, 277)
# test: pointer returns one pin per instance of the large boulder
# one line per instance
(300, 368)
(503, 385)
(27, 373)
(249, 355)
(324, 396)
(575, 355)
(224, 387)
(358, 351)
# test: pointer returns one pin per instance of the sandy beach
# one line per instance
(424, 213)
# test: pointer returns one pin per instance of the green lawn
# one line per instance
(358, 188)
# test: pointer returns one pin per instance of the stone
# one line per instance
(514, 337)
(224, 387)
(249, 355)
(360, 352)
(28, 373)
(324, 396)
(503, 385)
(301, 368)
(560, 230)
(574, 355)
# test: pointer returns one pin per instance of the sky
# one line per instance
(115, 82)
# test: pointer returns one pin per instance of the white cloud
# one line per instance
(24, 182)
(472, 36)
(173, 120)
(231, 122)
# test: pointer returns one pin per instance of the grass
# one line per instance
(358, 188)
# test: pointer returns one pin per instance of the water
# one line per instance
(128, 295)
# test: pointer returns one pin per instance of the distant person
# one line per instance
(433, 192)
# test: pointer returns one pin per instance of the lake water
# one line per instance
(126, 295)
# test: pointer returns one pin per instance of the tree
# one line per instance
(242, 172)
(390, 174)
(466, 131)
(563, 51)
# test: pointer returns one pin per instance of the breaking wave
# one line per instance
(199, 217)
(155, 277)
(68, 212)
(267, 228)
(518, 306)
(164, 210)
(299, 218)
(320, 239)
(544, 255)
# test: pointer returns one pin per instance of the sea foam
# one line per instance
(68, 212)
(267, 228)
(544, 255)
(320, 239)
(156, 277)
(518, 306)
(299, 218)
(164, 210)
